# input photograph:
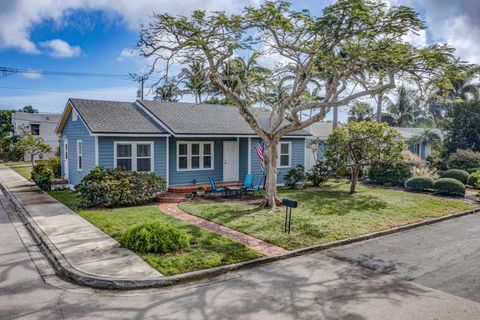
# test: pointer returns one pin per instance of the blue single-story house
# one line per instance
(182, 142)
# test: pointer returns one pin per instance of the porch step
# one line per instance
(184, 189)
(169, 197)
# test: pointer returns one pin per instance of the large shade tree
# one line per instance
(352, 37)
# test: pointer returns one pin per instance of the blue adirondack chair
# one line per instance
(248, 183)
(258, 187)
(214, 187)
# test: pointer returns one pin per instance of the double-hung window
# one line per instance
(285, 154)
(79, 155)
(134, 156)
(194, 155)
(35, 129)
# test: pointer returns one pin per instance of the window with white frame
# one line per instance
(285, 154)
(193, 155)
(79, 155)
(134, 156)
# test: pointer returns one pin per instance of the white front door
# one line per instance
(230, 161)
(65, 159)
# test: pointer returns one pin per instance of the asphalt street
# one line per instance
(313, 286)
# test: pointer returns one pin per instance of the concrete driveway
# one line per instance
(444, 256)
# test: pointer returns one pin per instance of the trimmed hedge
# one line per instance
(474, 180)
(419, 183)
(449, 186)
(42, 175)
(116, 187)
(389, 174)
(154, 238)
(460, 175)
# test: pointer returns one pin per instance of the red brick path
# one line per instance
(265, 248)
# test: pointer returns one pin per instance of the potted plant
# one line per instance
(201, 191)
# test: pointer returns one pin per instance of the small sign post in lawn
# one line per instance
(289, 204)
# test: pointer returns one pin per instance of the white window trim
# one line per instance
(74, 115)
(189, 155)
(134, 153)
(289, 154)
(79, 154)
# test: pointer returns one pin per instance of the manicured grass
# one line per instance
(24, 168)
(328, 213)
(206, 249)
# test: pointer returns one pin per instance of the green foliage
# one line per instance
(360, 111)
(449, 186)
(474, 180)
(389, 174)
(359, 144)
(319, 173)
(460, 175)
(154, 238)
(54, 164)
(294, 176)
(33, 146)
(472, 170)
(42, 175)
(10, 149)
(28, 109)
(461, 125)
(464, 159)
(419, 183)
(6, 127)
(116, 187)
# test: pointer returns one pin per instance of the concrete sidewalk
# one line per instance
(85, 247)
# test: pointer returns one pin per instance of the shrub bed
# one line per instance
(154, 238)
(54, 164)
(464, 159)
(42, 175)
(449, 186)
(474, 180)
(116, 187)
(419, 183)
(460, 175)
(389, 174)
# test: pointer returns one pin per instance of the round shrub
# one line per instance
(449, 186)
(154, 238)
(419, 183)
(42, 175)
(474, 180)
(460, 175)
(389, 174)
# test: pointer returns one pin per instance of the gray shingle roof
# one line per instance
(115, 117)
(190, 118)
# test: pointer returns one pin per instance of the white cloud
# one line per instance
(19, 17)
(31, 74)
(58, 48)
(128, 54)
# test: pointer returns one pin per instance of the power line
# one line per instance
(64, 91)
(7, 71)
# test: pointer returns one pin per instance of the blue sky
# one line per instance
(96, 36)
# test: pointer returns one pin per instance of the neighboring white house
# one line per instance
(39, 125)
(321, 131)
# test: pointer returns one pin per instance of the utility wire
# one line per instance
(7, 71)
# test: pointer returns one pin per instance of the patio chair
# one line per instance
(214, 187)
(248, 183)
(258, 187)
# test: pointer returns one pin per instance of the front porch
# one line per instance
(177, 194)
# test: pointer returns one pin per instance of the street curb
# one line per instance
(66, 271)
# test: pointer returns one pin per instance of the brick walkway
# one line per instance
(265, 248)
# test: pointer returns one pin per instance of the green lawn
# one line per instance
(206, 249)
(328, 213)
(24, 168)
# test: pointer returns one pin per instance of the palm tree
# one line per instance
(168, 92)
(429, 136)
(405, 110)
(361, 111)
(195, 80)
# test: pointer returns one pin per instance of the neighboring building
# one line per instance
(40, 125)
(182, 142)
(322, 130)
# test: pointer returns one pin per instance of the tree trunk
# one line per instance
(379, 108)
(354, 178)
(335, 118)
(32, 158)
(271, 154)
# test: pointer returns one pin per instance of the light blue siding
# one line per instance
(298, 157)
(201, 176)
(74, 131)
(106, 150)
